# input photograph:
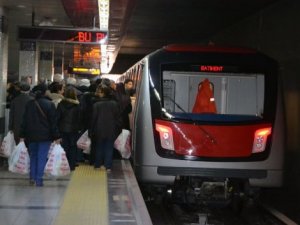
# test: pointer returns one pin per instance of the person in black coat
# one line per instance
(103, 129)
(125, 105)
(68, 111)
(17, 109)
(39, 128)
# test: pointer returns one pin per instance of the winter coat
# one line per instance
(87, 101)
(68, 113)
(104, 119)
(17, 109)
(37, 127)
(55, 97)
(124, 104)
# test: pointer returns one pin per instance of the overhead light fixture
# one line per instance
(103, 8)
(47, 21)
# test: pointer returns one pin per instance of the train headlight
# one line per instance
(260, 139)
(166, 136)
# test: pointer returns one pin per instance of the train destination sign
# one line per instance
(66, 35)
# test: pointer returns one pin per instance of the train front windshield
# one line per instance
(213, 96)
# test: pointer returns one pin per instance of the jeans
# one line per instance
(104, 153)
(38, 152)
(69, 145)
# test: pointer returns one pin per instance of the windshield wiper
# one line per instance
(208, 135)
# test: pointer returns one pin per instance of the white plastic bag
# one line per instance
(122, 144)
(8, 144)
(50, 149)
(19, 161)
(84, 143)
(57, 164)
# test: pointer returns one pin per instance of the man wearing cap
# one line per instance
(17, 109)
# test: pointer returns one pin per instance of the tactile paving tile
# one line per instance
(85, 201)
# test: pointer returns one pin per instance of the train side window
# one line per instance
(169, 95)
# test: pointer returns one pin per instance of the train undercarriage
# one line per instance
(193, 192)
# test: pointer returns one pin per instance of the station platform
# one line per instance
(87, 196)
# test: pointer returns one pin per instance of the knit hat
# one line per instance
(84, 82)
(24, 86)
(71, 80)
(40, 89)
(57, 78)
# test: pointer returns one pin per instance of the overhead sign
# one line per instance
(66, 35)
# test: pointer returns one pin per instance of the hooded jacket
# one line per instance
(68, 112)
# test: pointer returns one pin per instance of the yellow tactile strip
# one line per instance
(85, 201)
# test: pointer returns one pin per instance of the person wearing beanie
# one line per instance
(57, 78)
(85, 82)
(83, 85)
(17, 109)
(71, 81)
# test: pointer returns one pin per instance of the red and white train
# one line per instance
(215, 140)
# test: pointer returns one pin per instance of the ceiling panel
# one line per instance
(137, 27)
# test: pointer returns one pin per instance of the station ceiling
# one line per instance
(138, 27)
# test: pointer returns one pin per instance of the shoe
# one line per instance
(39, 183)
(31, 182)
(102, 168)
(108, 170)
(97, 168)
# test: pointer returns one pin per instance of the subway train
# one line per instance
(207, 122)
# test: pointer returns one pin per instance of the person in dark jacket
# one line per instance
(125, 105)
(103, 129)
(68, 112)
(39, 128)
(17, 109)
(13, 90)
(87, 101)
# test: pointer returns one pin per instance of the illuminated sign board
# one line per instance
(66, 35)
(214, 68)
(209, 68)
(80, 70)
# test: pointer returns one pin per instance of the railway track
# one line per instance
(253, 213)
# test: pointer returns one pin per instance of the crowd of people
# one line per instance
(60, 112)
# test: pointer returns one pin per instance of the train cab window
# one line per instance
(230, 94)
(205, 101)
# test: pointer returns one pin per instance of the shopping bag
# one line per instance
(84, 143)
(51, 148)
(122, 144)
(8, 144)
(57, 164)
(19, 161)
